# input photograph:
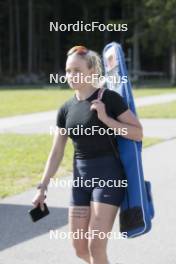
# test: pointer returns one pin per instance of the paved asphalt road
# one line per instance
(23, 242)
(44, 122)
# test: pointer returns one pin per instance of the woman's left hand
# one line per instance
(99, 106)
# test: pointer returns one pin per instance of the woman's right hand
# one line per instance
(39, 199)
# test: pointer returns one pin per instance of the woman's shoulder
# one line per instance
(111, 95)
(66, 105)
(115, 102)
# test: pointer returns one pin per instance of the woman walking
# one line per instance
(92, 206)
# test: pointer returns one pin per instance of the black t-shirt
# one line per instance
(76, 113)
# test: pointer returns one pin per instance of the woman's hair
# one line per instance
(92, 58)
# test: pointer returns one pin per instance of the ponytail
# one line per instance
(94, 60)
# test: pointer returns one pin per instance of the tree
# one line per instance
(161, 18)
(18, 34)
(11, 37)
(57, 46)
(30, 35)
(136, 41)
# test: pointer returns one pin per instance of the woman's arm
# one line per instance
(129, 121)
(125, 120)
(55, 157)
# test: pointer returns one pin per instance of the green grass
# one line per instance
(18, 101)
(22, 161)
(167, 110)
(148, 142)
(140, 92)
(23, 157)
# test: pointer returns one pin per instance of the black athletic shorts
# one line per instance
(98, 179)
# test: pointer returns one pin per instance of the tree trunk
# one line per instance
(34, 41)
(30, 24)
(136, 53)
(11, 38)
(106, 21)
(18, 40)
(40, 46)
(85, 19)
(57, 49)
(0, 61)
(173, 64)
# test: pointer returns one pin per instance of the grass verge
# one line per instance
(23, 157)
(167, 110)
(18, 102)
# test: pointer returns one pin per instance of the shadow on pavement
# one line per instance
(16, 225)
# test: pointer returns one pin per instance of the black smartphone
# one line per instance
(36, 213)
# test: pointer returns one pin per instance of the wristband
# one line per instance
(41, 186)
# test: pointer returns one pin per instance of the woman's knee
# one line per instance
(81, 249)
(97, 247)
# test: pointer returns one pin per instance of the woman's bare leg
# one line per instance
(102, 218)
(79, 217)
